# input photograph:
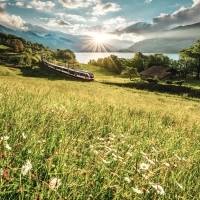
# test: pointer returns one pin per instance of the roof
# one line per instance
(158, 71)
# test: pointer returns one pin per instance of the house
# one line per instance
(160, 72)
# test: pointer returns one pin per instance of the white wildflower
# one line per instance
(144, 166)
(23, 135)
(127, 179)
(129, 154)
(96, 152)
(138, 191)
(54, 183)
(166, 164)
(26, 167)
(4, 138)
(111, 138)
(105, 161)
(179, 185)
(8, 146)
(159, 189)
(1, 172)
(100, 139)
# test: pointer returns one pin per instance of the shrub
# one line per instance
(179, 82)
(168, 82)
(152, 80)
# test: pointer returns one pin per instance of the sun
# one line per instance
(99, 38)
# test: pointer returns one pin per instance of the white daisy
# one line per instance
(27, 167)
(159, 189)
(54, 183)
(144, 166)
(127, 179)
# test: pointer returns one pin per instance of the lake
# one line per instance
(84, 57)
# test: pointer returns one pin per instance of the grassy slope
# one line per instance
(94, 137)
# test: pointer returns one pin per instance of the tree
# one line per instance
(193, 52)
(158, 59)
(130, 72)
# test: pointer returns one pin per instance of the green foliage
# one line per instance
(193, 55)
(169, 82)
(179, 82)
(152, 80)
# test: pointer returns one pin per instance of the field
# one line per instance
(66, 139)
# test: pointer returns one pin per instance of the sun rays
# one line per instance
(99, 42)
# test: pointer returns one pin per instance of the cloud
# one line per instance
(40, 5)
(115, 23)
(148, 1)
(72, 4)
(58, 22)
(37, 28)
(2, 8)
(71, 17)
(183, 16)
(13, 21)
(102, 9)
(20, 4)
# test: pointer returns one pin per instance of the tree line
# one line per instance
(27, 53)
(188, 64)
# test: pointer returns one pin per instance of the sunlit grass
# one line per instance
(86, 140)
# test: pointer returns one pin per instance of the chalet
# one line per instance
(159, 72)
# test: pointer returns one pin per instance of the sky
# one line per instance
(132, 20)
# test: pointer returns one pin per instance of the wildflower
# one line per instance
(54, 183)
(105, 161)
(111, 138)
(129, 154)
(96, 152)
(144, 166)
(26, 167)
(159, 189)
(5, 174)
(8, 146)
(32, 176)
(1, 172)
(23, 135)
(92, 184)
(84, 172)
(4, 138)
(138, 191)
(166, 164)
(100, 139)
(3, 155)
(127, 179)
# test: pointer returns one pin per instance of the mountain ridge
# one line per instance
(169, 41)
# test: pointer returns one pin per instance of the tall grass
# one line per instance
(93, 141)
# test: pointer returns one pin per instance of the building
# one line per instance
(160, 72)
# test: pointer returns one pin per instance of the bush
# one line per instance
(152, 80)
(179, 82)
(168, 82)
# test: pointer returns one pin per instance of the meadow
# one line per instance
(66, 139)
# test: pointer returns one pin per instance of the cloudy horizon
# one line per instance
(134, 20)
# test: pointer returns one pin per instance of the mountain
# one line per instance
(59, 40)
(53, 39)
(169, 41)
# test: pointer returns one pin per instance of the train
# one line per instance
(76, 73)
